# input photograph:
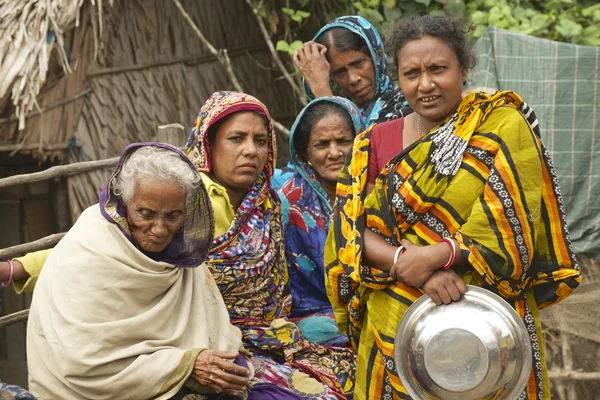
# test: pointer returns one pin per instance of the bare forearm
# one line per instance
(323, 90)
(377, 252)
(18, 271)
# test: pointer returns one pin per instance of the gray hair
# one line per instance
(155, 164)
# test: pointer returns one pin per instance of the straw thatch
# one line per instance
(31, 31)
(147, 68)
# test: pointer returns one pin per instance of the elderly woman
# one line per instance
(233, 146)
(124, 306)
(320, 140)
(348, 53)
(473, 198)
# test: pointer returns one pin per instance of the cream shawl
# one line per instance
(107, 322)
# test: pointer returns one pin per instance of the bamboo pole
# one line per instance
(61, 170)
(574, 375)
(40, 244)
(237, 51)
(36, 146)
(13, 318)
(299, 92)
(567, 356)
(223, 58)
(173, 134)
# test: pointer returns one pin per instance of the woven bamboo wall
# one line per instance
(148, 68)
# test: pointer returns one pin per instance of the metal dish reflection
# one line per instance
(474, 348)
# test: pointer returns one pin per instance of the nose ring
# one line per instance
(341, 154)
(432, 84)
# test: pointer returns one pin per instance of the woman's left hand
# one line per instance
(212, 370)
(444, 287)
(413, 266)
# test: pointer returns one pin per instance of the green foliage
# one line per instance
(571, 21)
(296, 15)
(289, 48)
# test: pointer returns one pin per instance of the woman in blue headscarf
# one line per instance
(320, 139)
(347, 56)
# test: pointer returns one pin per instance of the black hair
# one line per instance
(341, 39)
(311, 117)
(448, 29)
(211, 134)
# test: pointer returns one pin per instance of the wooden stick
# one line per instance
(281, 128)
(172, 134)
(229, 68)
(61, 170)
(13, 318)
(234, 52)
(48, 107)
(286, 74)
(220, 55)
(223, 58)
(36, 146)
(567, 356)
(40, 244)
(574, 375)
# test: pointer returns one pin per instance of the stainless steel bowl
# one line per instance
(468, 349)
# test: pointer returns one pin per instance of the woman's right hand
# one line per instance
(314, 67)
(444, 287)
(212, 370)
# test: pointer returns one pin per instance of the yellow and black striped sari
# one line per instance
(482, 177)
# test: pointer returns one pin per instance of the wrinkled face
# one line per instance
(353, 71)
(239, 151)
(155, 213)
(330, 141)
(431, 77)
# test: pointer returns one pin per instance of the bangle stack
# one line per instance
(452, 253)
(10, 275)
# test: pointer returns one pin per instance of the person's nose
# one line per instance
(426, 83)
(159, 228)
(335, 152)
(250, 149)
(354, 77)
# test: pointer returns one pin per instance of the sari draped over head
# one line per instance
(306, 217)
(248, 264)
(247, 261)
(483, 178)
(111, 321)
(389, 102)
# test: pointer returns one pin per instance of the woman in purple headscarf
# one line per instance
(125, 305)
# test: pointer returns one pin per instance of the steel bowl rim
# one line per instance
(424, 302)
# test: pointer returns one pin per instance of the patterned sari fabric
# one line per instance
(248, 264)
(13, 392)
(483, 178)
(389, 102)
(248, 260)
(306, 216)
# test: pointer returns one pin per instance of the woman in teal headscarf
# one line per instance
(320, 139)
(348, 55)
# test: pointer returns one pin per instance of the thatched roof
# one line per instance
(31, 32)
(147, 69)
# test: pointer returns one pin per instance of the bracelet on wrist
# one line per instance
(450, 243)
(10, 274)
(399, 251)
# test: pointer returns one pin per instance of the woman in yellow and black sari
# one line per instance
(473, 180)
